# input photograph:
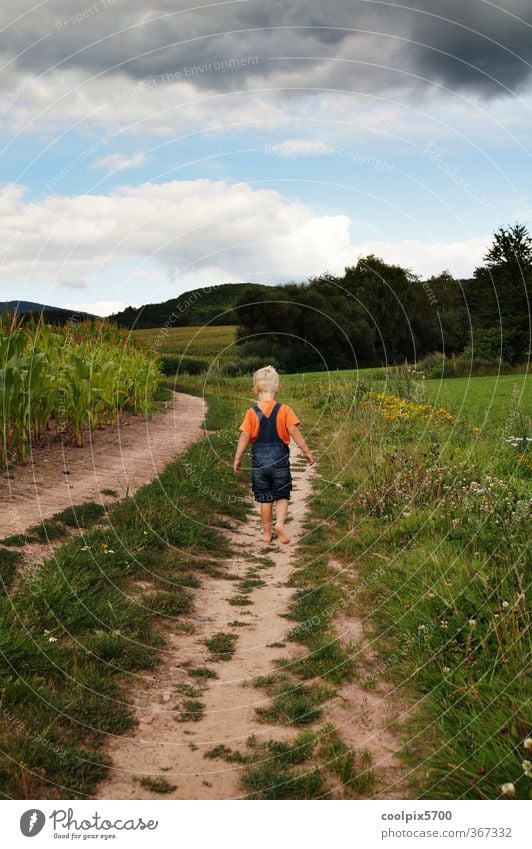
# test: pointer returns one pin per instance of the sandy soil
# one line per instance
(163, 747)
(119, 458)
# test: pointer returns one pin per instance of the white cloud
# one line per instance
(102, 308)
(190, 233)
(120, 161)
(428, 258)
(294, 148)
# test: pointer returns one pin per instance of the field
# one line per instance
(409, 590)
(203, 343)
(67, 379)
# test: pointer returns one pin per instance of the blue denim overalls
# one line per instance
(270, 459)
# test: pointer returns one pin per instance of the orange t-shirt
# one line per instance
(285, 418)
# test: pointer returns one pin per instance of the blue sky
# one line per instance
(151, 148)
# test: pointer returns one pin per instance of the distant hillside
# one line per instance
(212, 304)
(52, 315)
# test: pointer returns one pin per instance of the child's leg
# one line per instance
(281, 509)
(266, 516)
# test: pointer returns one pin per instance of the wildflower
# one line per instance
(508, 789)
(528, 744)
(444, 624)
(527, 768)
(52, 639)
(446, 670)
(473, 623)
(505, 604)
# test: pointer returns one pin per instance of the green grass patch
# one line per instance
(9, 563)
(201, 672)
(191, 710)
(222, 646)
(81, 516)
(48, 530)
(157, 785)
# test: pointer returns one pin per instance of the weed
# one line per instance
(191, 710)
(157, 785)
(202, 672)
(222, 646)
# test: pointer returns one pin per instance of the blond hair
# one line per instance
(266, 380)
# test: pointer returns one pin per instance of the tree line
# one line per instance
(377, 313)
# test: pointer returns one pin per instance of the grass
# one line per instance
(18, 540)
(222, 646)
(157, 785)
(48, 530)
(418, 527)
(293, 703)
(202, 672)
(191, 710)
(314, 764)
(484, 401)
(9, 563)
(427, 522)
(81, 516)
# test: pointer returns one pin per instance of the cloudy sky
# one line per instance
(151, 147)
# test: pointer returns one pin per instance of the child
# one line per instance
(269, 426)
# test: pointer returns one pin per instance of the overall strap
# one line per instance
(268, 424)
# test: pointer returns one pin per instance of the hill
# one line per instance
(210, 304)
(52, 315)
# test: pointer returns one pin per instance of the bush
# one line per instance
(170, 366)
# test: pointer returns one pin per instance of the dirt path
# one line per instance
(163, 746)
(118, 458)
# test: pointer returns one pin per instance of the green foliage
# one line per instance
(157, 785)
(81, 375)
(9, 562)
(222, 646)
(81, 516)
(213, 305)
(176, 366)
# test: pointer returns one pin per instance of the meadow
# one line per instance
(418, 527)
(427, 511)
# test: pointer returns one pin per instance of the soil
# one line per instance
(120, 457)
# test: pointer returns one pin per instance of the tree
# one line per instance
(511, 248)
(499, 296)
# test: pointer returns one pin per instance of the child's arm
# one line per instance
(298, 438)
(243, 443)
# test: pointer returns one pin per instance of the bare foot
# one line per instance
(267, 536)
(281, 533)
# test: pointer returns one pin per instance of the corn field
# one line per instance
(65, 379)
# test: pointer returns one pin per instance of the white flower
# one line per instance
(52, 639)
(528, 744)
(505, 604)
(508, 789)
(446, 670)
(473, 623)
(527, 768)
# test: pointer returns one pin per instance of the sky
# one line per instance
(148, 148)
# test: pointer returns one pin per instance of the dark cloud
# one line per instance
(467, 45)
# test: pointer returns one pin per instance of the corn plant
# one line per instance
(67, 379)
